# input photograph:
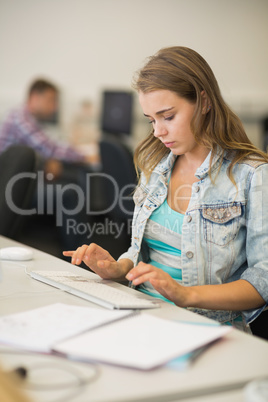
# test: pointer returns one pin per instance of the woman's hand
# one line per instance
(161, 281)
(99, 261)
(236, 296)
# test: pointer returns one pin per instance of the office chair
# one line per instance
(117, 164)
(15, 191)
(117, 175)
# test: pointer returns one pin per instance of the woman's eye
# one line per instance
(169, 118)
(151, 121)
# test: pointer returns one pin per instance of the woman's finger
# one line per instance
(78, 255)
(140, 269)
(143, 278)
(68, 253)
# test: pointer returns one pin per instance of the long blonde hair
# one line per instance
(185, 72)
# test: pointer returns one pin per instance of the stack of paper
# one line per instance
(124, 338)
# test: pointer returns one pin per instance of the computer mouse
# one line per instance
(16, 253)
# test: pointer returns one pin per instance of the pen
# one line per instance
(130, 285)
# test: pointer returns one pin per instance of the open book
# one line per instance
(125, 338)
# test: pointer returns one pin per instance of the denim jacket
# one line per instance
(225, 229)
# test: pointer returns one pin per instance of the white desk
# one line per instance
(219, 374)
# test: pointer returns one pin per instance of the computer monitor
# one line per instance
(116, 117)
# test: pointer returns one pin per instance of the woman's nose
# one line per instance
(159, 130)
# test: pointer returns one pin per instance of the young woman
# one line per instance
(200, 225)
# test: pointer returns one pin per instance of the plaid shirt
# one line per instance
(21, 127)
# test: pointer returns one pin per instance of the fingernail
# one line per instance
(129, 277)
(77, 261)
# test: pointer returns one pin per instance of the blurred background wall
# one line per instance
(86, 46)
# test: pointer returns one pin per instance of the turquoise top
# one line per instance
(163, 236)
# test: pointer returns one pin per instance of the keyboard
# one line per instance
(94, 290)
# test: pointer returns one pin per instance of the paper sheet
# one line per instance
(39, 329)
(141, 341)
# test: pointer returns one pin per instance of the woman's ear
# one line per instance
(206, 105)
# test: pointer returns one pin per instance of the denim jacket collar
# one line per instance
(166, 164)
(203, 170)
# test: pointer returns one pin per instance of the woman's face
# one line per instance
(170, 116)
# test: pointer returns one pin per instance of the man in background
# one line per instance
(22, 126)
(61, 163)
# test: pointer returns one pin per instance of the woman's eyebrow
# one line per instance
(161, 111)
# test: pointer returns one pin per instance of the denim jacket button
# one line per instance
(189, 218)
(189, 254)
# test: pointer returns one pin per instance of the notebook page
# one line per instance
(39, 329)
(141, 341)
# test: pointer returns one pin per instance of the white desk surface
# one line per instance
(218, 375)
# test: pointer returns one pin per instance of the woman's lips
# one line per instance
(169, 144)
